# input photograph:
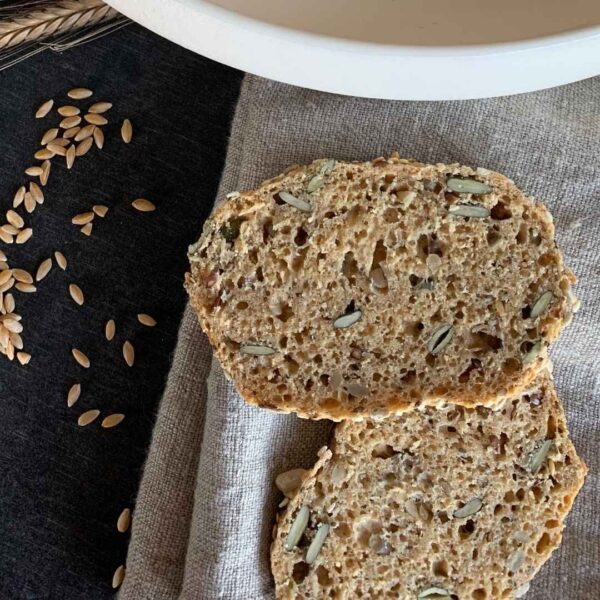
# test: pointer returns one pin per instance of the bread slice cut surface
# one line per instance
(342, 290)
(446, 504)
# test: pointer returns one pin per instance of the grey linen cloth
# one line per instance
(206, 505)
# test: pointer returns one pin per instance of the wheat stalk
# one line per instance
(59, 17)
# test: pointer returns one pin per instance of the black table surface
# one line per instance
(63, 486)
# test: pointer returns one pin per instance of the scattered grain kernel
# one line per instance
(95, 119)
(124, 520)
(69, 122)
(43, 269)
(126, 131)
(19, 197)
(76, 293)
(118, 576)
(128, 353)
(100, 209)
(81, 358)
(22, 275)
(147, 320)
(24, 235)
(83, 218)
(43, 154)
(49, 136)
(109, 330)
(23, 357)
(143, 205)
(84, 147)
(70, 156)
(79, 93)
(99, 138)
(112, 420)
(85, 132)
(44, 109)
(61, 260)
(73, 394)
(89, 416)
(68, 111)
(14, 218)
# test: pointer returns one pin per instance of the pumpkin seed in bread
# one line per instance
(342, 290)
(448, 503)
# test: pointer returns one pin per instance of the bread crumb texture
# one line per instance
(341, 290)
(448, 504)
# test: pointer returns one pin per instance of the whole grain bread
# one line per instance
(343, 289)
(453, 503)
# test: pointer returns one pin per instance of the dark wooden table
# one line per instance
(62, 486)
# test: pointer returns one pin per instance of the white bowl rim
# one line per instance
(361, 68)
(231, 17)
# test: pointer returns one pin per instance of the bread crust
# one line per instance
(292, 380)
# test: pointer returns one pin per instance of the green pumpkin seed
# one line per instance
(434, 593)
(295, 202)
(470, 508)
(317, 544)
(522, 590)
(257, 350)
(315, 183)
(539, 456)
(297, 529)
(467, 186)
(533, 353)
(468, 210)
(516, 560)
(347, 320)
(440, 339)
(541, 304)
(328, 166)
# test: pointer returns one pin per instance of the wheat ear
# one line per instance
(63, 16)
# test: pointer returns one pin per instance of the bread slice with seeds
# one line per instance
(342, 289)
(451, 503)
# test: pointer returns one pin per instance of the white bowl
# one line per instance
(398, 49)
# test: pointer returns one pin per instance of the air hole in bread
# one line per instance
(350, 267)
(343, 530)
(526, 346)
(466, 530)
(500, 212)
(474, 365)
(323, 576)
(543, 544)
(409, 377)
(493, 237)
(300, 571)
(545, 260)
(384, 451)
(511, 365)
(523, 234)
(301, 236)
(551, 427)
(480, 340)
(479, 594)
(440, 568)
(391, 215)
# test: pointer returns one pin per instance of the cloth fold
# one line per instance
(206, 505)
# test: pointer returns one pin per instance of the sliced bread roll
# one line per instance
(348, 289)
(448, 504)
